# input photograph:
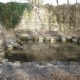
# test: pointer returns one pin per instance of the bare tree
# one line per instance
(67, 1)
(76, 1)
(57, 2)
(42, 1)
(3, 37)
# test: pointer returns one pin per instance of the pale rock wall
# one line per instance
(37, 19)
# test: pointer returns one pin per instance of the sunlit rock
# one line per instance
(64, 39)
(41, 39)
(49, 64)
(53, 62)
(17, 64)
(47, 39)
(9, 47)
(53, 39)
(34, 21)
(74, 39)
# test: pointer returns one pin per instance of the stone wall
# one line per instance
(32, 71)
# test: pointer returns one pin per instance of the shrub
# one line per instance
(10, 13)
(35, 39)
(24, 38)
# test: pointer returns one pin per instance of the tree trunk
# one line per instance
(76, 20)
(57, 2)
(76, 1)
(4, 39)
(68, 2)
(42, 1)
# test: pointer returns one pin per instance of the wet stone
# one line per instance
(60, 63)
(7, 66)
(17, 64)
(48, 64)
(72, 63)
(42, 63)
(74, 39)
(28, 64)
(63, 38)
(78, 63)
(53, 62)
(67, 63)
(0, 68)
(35, 63)
(9, 78)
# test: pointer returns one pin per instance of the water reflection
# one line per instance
(46, 52)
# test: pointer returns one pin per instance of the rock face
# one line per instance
(49, 17)
(43, 18)
(37, 19)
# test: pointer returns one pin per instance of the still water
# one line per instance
(40, 52)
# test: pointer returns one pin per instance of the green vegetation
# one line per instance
(68, 15)
(10, 13)
(35, 39)
(24, 38)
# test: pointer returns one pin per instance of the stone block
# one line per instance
(41, 39)
(17, 64)
(42, 63)
(74, 39)
(63, 39)
(60, 63)
(1, 68)
(47, 39)
(53, 62)
(8, 66)
(53, 39)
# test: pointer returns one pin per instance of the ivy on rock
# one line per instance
(10, 13)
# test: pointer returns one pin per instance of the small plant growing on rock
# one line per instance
(24, 38)
(35, 39)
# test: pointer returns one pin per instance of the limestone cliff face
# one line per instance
(41, 19)
(37, 19)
